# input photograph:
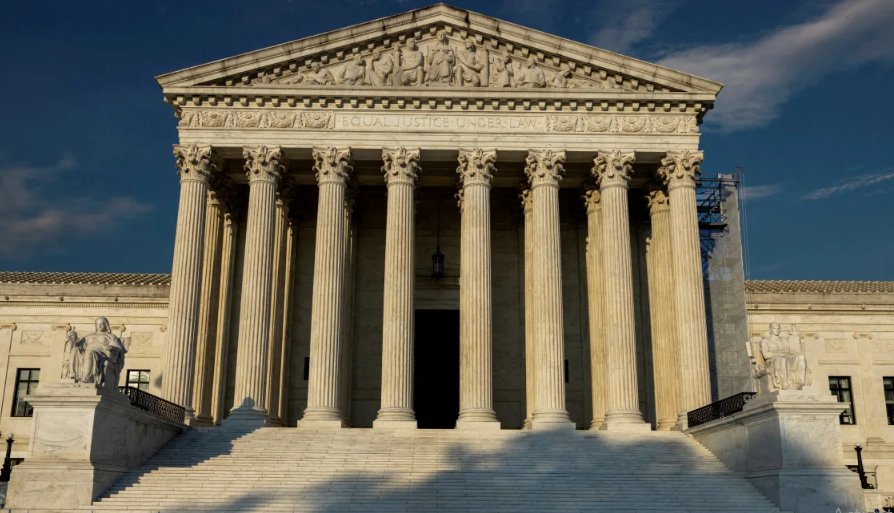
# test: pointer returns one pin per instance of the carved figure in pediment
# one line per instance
(562, 79)
(380, 70)
(531, 75)
(469, 66)
(411, 62)
(354, 72)
(441, 61)
(319, 75)
(774, 359)
(502, 74)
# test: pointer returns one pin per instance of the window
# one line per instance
(138, 379)
(840, 386)
(26, 383)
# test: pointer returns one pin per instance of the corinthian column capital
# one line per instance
(526, 197)
(592, 198)
(194, 162)
(332, 165)
(545, 167)
(476, 166)
(658, 200)
(264, 164)
(401, 165)
(681, 168)
(613, 168)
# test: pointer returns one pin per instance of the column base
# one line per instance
(596, 423)
(526, 426)
(395, 418)
(246, 418)
(625, 420)
(666, 424)
(321, 424)
(551, 420)
(682, 422)
(199, 422)
(478, 425)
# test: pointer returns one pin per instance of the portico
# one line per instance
(306, 193)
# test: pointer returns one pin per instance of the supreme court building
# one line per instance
(551, 180)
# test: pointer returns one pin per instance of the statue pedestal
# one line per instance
(788, 445)
(83, 438)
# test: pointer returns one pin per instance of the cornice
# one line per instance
(77, 304)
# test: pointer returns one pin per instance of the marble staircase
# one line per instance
(298, 470)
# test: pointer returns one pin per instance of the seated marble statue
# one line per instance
(96, 358)
(775, 360)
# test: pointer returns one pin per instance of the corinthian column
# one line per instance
(225, 302)
(333, 168)
(278, 297)
(476, 387)
(596, 302)
(613, 170)
(195, 163)
(208, 307)
(544, 170)
(527, 199)
(263, 166)
(401, 173)
(679, 170)
(665, 350)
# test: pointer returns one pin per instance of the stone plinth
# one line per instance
(83, 438)
(788, 444)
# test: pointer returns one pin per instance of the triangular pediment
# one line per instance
(439, 46)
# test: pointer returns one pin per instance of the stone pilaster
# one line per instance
(544, 170)
(225, 304)
(401, 171)
(613, 170)
(680, 170)
(333, 168)
(476, 389)
(596, 304)
(195, 164)
(662, 312)
(527, 200)
(348, 305)
(278, 295)
(264, 167)
(207, 325)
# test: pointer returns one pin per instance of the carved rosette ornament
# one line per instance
(658, 200)
(681, 168)
(264, 163)
(545, 167)
(592, 198)
(332, 165)
(613, 168)
(401, 165)
(194, 162)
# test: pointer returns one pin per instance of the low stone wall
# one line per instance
(83, 438)
(788, 445)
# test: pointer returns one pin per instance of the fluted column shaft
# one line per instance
(665, 349)
(476, 390)
(544, 170)
(596, 305)
(278, 283)
(527, 198)
(263, 166)
(195, 163)
(613, 170)
(348, 305)
(225, 302)
(680, 170)
(332, 167)
(401, 174)
(285, 341)
(207, 325)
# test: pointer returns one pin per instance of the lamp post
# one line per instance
(7, 462)
(864, 483)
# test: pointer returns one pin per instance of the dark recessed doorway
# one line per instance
(436, 393)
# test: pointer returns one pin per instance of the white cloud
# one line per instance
(753, 192)
(857, 182)
(627, 22)
(761, 75)
(30, 220)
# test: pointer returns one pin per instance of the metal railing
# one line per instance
(720, 409)
(154, 404)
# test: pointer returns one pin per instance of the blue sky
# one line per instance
(87, 181)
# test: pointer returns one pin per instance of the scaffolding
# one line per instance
(723, 272)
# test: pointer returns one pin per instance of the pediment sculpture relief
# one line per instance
(95, 358)
(444, 59)
(779, 362)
